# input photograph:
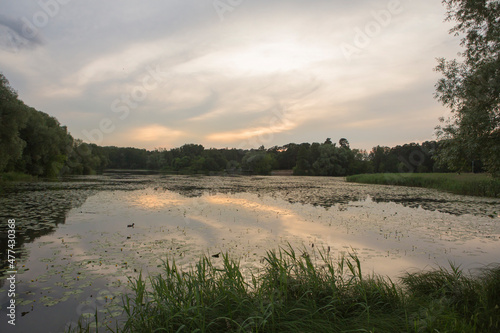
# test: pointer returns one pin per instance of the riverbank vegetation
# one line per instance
(295, 293)
(466, 184)
(15, 177)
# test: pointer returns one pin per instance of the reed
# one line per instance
(15, 177)
(466, 184)
(302, 292)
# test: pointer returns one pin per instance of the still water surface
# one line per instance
(75, 252)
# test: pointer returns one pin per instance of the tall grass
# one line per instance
(15, 177)
(453, 302)
(294, 293)
(467, 184)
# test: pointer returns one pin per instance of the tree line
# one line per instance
(34, 143)
(305, 159)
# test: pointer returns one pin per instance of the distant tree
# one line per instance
(156, 159)
(360, 163)
(192, 150)
(303, 166)
(287, 156)
(181, 163)
(344, 143)
(378, 157)
(314, 152)
(258, 162)
(86, 159)
(215, 160)
(471, 88)
(331, 161)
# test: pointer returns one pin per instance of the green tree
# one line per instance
(192, 150)
(214, 160)
(287, 156)
(378, 157)
(12, 119)
(258, 162)
(471, 87)
(303, 166)
(46, 144)
(331, 161)
(344, 143)
(360, 163)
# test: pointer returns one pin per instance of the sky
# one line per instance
(230, 73)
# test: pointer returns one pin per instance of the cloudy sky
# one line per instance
(229, 73)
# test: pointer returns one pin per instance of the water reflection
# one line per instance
(37, 213)
(153, 200)
(75, 237)
(381, 232)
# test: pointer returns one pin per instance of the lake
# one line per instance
(75, 252)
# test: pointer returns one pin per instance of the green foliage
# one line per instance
(258, 162)
(303, 166)
(471, 88)
(15, 177)
(290, 294)
(407, 158)
(126, 158)
(455, 302)
(12, 116)
(329, 160)
(46, 143)
(466, 184)
(34, 143)
(85, 159)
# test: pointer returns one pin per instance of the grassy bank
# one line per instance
(15, 177)
(293, 294)
(468, 184)
(9, 177)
